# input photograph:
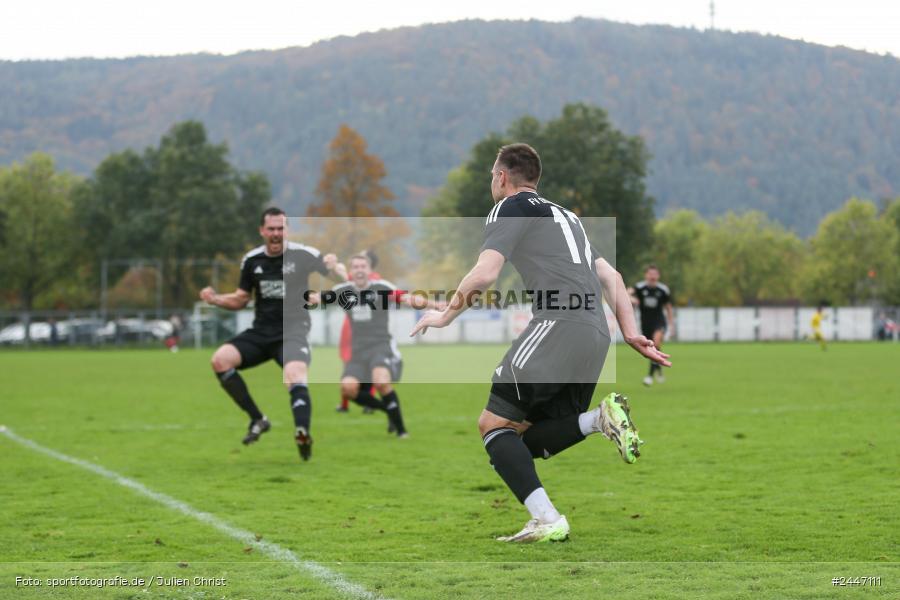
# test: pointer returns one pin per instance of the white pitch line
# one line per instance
(279, 553)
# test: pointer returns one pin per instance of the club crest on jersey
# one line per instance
(288, 267)
(258, 270)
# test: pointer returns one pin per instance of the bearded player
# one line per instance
(262, 277)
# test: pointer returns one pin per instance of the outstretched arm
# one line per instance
(482, 275)
(337, 271)
(236, 300)
(619, 299)
(420, 302)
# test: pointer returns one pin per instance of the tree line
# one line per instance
(736, 259)
(749, 259)
(174, 202)
(183, 203)
(735, 120)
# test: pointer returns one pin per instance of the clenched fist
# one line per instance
(208, 294)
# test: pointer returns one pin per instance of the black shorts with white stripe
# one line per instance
(550, 371)
(256, 346)
(383, 354)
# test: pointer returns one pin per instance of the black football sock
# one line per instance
(652, 369)
(512, 461)
(234, 384)
(656, 368)
(301, 405)
(392, 406)
(547, 438)
(365, 398)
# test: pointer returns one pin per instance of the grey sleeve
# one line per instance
(504, 233)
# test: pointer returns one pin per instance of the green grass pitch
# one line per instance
(769, 469)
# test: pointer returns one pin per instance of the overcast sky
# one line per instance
(118, 28)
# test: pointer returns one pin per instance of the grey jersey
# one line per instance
(368, 312)
(548, 246)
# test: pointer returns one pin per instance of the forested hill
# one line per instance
(733, 121)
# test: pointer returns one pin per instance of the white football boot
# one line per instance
(535, 531)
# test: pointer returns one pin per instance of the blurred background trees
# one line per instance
(854, 258)
(354, 210)
(351, 181)
(735, 120)
(177, 202)
(589, 166)
(182, 206)
(37, 233)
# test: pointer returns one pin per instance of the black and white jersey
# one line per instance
(368, 311)
(548, 246)
(651, 301)
(264, 276)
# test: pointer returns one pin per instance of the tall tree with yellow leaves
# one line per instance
(350, 185)
(355, 209)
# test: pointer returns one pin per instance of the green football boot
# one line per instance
(616, 425)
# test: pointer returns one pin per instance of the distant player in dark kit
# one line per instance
(262, 276)
(653, 297)
(345, 343)
(542, 389)
(374, 356)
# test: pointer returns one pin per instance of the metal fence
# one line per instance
(771, 323)
(208, 326)
(693, 324)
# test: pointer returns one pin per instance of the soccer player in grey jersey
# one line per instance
(374, 354)
(541, 392)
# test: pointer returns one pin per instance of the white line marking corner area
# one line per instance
(320, 572)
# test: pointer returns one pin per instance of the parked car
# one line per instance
(134, 330)
(83, 331)
(14, 334)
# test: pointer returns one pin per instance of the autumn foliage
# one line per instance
(355, 210)
(351, 182)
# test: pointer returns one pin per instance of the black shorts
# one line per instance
(257, 346)
(362, 362)
(549, 372)
(649, 329)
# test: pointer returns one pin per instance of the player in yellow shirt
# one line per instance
(816, 323)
